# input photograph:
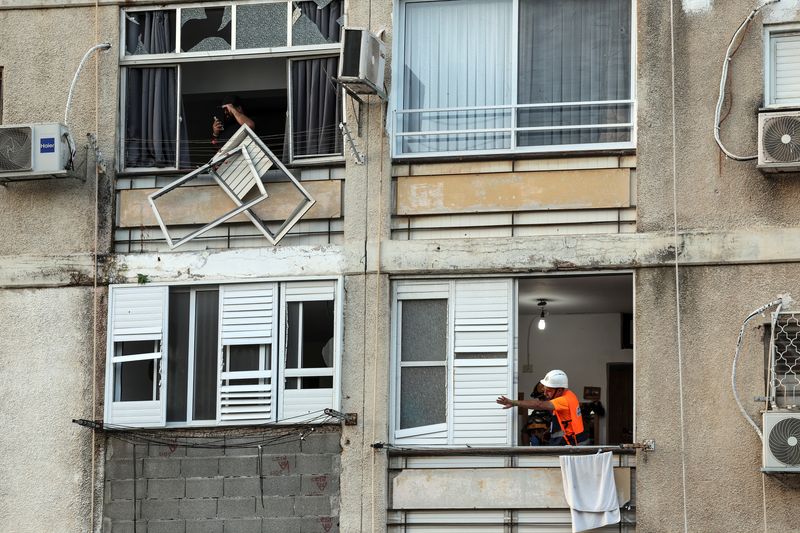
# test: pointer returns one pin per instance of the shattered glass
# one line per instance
(311, 22)
(261, 25)
(205, 29)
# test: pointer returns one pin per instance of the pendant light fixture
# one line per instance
(541, 324)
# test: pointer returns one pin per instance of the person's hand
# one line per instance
(505, 402)
(217, 127)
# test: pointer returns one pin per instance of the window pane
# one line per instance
(135, 381)
(423, 399)
(312, 24)
(149, 32)
(261, 25)
(593, 63)
(178, 357)
(205, 355)
(316, 107)
(293, 341)
(151, 110)
(205, 28)
(315, 349)
(456, 54)
(244, 358)
(424, 330)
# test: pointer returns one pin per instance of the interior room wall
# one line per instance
(581, 345)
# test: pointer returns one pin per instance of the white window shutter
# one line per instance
(297, 403)
(482, 362)
(247, 318)
(137, 314)
(786, 50)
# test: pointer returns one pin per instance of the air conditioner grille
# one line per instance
(15, 149)
(784, 441)
(781, 139)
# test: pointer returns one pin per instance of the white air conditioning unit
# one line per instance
(362, 62)
(779, 141)
(33, 151)
(781, 441)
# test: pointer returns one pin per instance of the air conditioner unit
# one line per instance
(781, 441)
(362, 62)
(33, 151)
(779, 141)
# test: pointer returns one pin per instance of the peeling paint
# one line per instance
(696, 6)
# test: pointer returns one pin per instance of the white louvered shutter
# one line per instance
(137, 315)
(786, 68)
(482, 362)
(300, 402)
(247, 319)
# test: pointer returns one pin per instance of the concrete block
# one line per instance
(200, 467)
(275, 506)
(124, 526)
(214, 450)
(321, 443)
(119, 449)
(204, 526)
(158, 467)
(120, 509)
(314, 464)
(122, 489)
(198, 508)
(281, 525)
(241, 486)
(158, 450)
(123, 469)
(322, 524)
(204, 487)
(238, 466)
(276, 465)
(166, 488)
(236, 507)
(243, 525)
(280, 448)
(312, 506)
(160, 509)
(281, 485)
(319, 485)
(241, 446)
(166, 526)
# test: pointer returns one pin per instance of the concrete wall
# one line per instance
(211, 484)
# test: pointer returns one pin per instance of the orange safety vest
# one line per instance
(568, 414)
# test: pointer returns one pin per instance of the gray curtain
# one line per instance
(316, 101)
(151, 99)
(574, 51)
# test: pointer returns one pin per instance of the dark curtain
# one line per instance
(151, 99)
(574, 51)
(316, 102)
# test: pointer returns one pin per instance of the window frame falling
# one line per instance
(290, 53)
(251, 314)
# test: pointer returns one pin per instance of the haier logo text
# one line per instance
(47, 145)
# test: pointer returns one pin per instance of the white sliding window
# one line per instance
(452, 354)
(309, 381)
(135, 385)
(247, 359)
(782, 68)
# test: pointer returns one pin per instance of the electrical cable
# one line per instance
(677, 276)
(729, 53)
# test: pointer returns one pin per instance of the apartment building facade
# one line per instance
(534, 161)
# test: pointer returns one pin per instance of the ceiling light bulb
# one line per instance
(541, 324)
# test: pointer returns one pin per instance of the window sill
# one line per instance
(495, 156)
(506, 450)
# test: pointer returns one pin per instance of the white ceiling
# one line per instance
(601, 293)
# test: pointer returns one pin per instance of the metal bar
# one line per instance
(503, 451)
(513, 106)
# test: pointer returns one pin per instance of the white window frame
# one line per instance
(395, 98)
(444, 434)
(772, 33)
(276, 354)
(176, 58)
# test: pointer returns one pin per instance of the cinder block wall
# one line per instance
(215, 489)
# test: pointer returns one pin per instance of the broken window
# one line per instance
(172, 92)
(453, 354)
(221, 364)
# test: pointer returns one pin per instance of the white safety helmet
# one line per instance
(555, 379)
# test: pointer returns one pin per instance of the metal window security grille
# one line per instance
(785, 361)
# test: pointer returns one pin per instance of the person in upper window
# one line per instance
(233, 116)
(562, 402)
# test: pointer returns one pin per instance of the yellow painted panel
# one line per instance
(201, 205)
(513, 191)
